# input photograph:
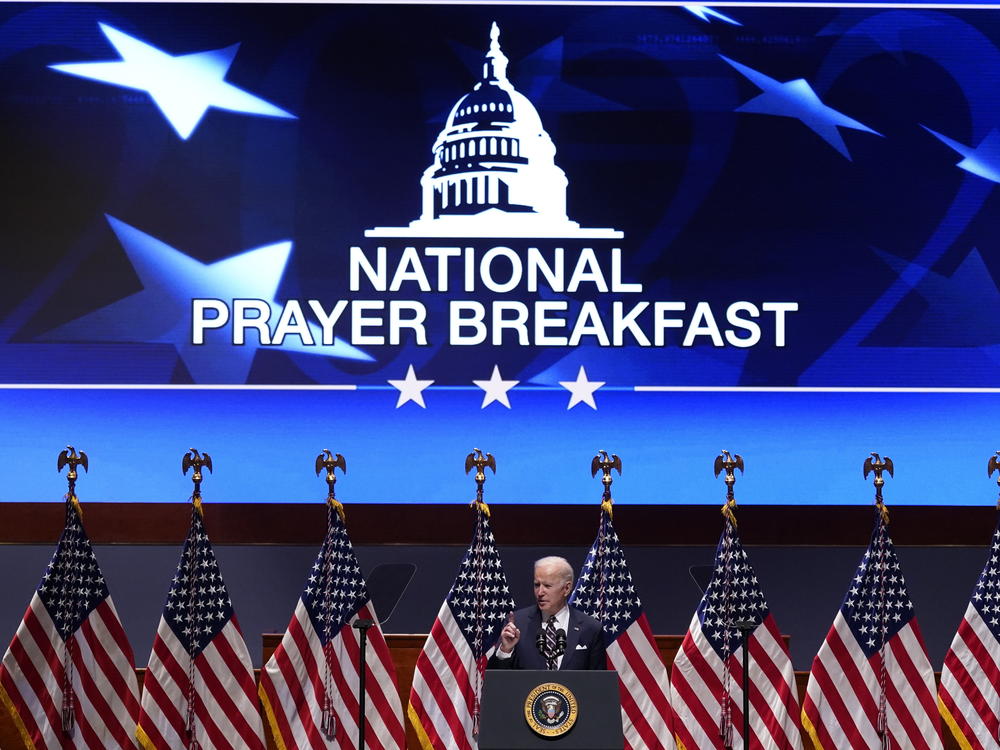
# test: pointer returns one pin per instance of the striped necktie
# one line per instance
(550, 644)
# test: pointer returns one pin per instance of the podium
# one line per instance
(504, 726)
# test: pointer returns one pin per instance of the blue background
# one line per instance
(889, 248)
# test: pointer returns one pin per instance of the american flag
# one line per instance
(71, 636)
(872, 671)
(605, 591)
(313, 675)
(707, 675)
(970, 680)
(199, 689)
(447, 681)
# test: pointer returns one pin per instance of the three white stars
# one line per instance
(496, 389)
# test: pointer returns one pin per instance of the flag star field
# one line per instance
(72, 585)
(198, 604)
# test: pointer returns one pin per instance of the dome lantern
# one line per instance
(495, 64)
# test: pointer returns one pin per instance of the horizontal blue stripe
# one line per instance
(800, 448)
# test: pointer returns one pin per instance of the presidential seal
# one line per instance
(550, 709)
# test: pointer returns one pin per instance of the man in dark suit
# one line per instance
(550, 634)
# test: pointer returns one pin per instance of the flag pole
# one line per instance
(196, 461)
(71, 458)
(480, 461)
(993, 464)
(875, 464)
(362, 626)
(604, 463)
(331, 462)
(730, 463)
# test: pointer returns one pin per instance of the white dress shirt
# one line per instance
(562, 622)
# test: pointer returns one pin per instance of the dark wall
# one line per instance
(804, 585)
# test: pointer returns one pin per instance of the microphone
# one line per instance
(540, 642)
(560, 643)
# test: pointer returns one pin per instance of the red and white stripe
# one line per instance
(226, 709)
(647, 719)
(444, 690)
(970, 679)
(697, 689)
(292, 689)
(105, 690)
(840, 711)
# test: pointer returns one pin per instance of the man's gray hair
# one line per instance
(560, 563)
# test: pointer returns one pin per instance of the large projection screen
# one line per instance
(404, 231)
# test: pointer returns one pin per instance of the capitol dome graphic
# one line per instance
(494, 172)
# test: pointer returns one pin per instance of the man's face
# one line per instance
(551, 589)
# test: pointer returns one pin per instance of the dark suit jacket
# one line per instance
(584, 643)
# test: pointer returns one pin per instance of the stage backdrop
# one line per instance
(402, 232)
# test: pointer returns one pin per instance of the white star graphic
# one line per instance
(798, 100)
(161, 312)
(410, 389)
(183, 87)
(581, 390)
(706, 14)
(496, 388)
